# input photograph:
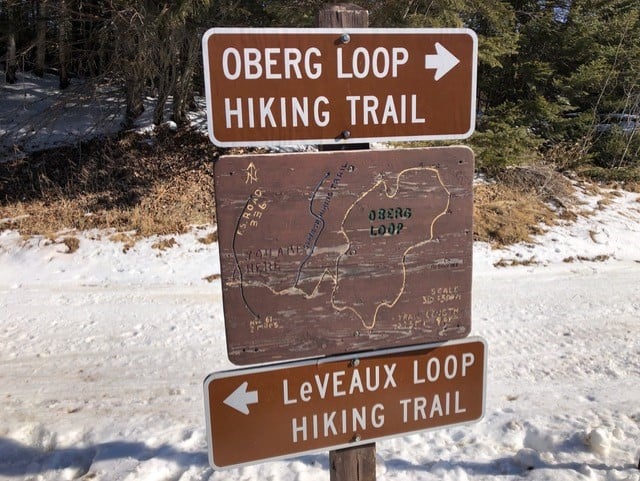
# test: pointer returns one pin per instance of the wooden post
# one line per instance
(357, 463)
(339, 15)
(353, 464)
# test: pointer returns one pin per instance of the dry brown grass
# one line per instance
(131, 183)
(209, 238)
(520, 204)
(140, 186)
(504, 215)
(128, 240)
(596, 258)
(211, 278)
(72, 243)
(164, 244)
(540, 180)
(516, 262)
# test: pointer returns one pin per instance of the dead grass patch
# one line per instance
(627, 178)
(164, 244)
(131, 183)
(597, 258)
(516, 262)
(138, 186)
(211, 278)
(519, 205)
(603, 203)
(504, 215)
(607, 198)
(209, 238)
(72, 244)
(541, 180)
(127, 240)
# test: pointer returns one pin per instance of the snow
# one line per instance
(36, 115)
(104, 351)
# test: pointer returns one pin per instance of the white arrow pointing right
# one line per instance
(442, 61)
(240, 398)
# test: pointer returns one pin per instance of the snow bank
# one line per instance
(104, 351)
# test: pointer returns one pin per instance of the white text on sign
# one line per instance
(292, 63)
(251, 63)
(371, 379)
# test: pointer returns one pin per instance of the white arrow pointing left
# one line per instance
(241, 398)
(442, 61)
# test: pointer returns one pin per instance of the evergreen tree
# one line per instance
(548, 74)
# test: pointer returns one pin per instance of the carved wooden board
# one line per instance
(339, 252)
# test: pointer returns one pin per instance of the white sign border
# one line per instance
(338, 32)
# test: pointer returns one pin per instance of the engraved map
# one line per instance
(325, 253)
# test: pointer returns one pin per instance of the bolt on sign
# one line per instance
(288, 409)
(335, 252)
(332, 86)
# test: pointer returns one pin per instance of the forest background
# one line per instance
(558, 81)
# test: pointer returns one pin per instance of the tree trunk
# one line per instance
(165, 60)
(12, 63)
(134, 91)
(183, 93)
(41, 38)
(64, 48)
(131, 52)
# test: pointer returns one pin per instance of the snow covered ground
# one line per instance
(103, 354)
(103, 351)
(36, 115)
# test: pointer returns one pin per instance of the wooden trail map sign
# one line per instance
(334, 86)
(336, 252)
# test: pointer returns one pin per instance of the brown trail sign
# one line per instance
(287, 409)
(335, 86)
(324, 254)
(336, 252)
